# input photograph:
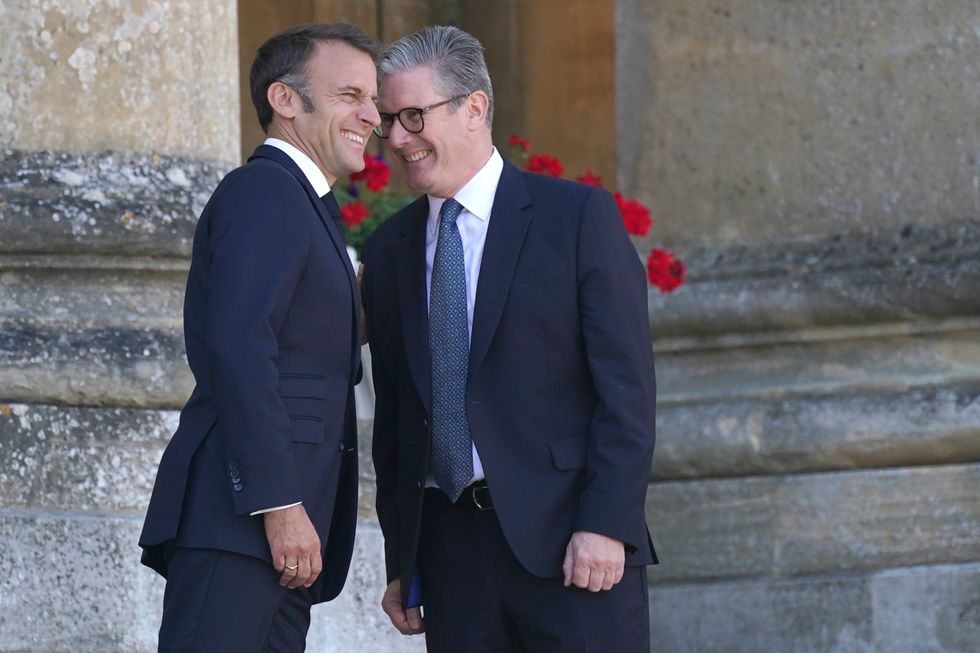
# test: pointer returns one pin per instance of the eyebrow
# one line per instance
(358, 90)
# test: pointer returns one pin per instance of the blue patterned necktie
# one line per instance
(449, 349)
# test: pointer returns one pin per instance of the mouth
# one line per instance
(416, 156)
(352, 137)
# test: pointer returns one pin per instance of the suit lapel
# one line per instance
(412, 305)
(280, 157)
(505, 235)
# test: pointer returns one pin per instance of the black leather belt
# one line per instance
(474, 497)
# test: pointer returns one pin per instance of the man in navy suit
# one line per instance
(253, 512)
(514, 425)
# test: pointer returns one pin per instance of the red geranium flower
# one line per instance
(375, 174)
(636, 217)
(523, 143)
(589, 179)
(545, 165)
(353, 213)
(664, 270)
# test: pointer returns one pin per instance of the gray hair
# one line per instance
(455, 56)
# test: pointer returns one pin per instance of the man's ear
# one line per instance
(476, 107)
(283, 100)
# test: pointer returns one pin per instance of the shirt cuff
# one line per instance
(259, 512)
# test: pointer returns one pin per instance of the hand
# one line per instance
(294, 543)
(408, 622)
(360, 286)
(593, 561)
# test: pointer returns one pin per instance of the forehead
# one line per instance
(337, 65)
(413, 87)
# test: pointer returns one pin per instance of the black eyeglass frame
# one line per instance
(390, 117)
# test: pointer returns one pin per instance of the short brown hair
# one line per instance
(283, 58)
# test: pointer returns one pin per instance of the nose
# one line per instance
(369, 114)
(398, 136)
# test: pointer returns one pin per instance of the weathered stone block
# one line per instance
(822, 363)
(114, 366)
(815, 523)
(813, 433)
(112, 204)
(104, 460)
(91, 292)
(913, 610)
(158, 76)
(764, 119)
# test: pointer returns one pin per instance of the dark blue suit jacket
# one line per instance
(270, 324)
(561, 392)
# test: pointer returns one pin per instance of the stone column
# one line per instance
(815, 484)
(116, 121)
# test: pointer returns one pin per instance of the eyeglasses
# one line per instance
(409, 117)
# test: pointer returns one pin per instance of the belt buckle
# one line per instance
(476, 498)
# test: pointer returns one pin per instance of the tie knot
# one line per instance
(450, 211)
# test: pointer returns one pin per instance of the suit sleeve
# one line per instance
(614, 321)
(259, 243)
(384, 447)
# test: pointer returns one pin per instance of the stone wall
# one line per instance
(816, 476)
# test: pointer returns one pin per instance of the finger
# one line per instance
(398, 617)
(288, 574)
(302, 574)
(608, 580)
(581, 576)
(567, 567)
(596, 578)
(414, 616)
(618, 576)
(316, 566)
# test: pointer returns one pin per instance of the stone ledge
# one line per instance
(815, 523)
(932, 608)
(110, 202)
(119, 367)
(867, 363)
(76, 297)
(921, 272)
(96, 460)
(922, 426)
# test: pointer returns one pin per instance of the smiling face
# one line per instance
(451, 148)
(343, 85)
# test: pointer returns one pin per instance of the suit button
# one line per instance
(237, 487)
(421, 485)
(425, 422)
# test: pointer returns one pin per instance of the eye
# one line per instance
(412, 115)
(387, 119)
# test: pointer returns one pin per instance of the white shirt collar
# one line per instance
(305, 163)
(477, 194)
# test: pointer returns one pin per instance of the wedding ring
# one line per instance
(293, 568)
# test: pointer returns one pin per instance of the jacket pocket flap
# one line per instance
(301, 386)
(568, 453)
(304, 428)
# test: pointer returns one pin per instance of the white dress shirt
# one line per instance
(315, 176)
(477, 200)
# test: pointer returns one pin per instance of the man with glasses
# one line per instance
(514, 421)
(253, 512)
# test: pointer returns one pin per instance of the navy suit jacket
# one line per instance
(270, 324)
(560, 394)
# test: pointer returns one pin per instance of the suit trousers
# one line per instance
(478, 598)
(218, 601)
